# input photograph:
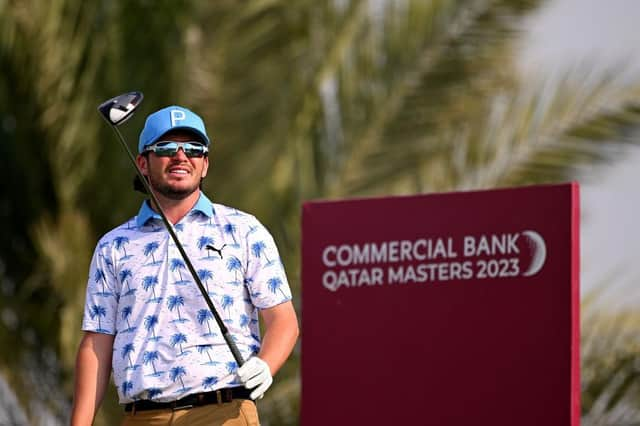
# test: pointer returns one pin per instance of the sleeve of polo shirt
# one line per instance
(266, 278)
(101, 302)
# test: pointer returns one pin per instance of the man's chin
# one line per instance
(176, 193)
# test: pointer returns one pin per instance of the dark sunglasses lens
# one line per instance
(193, 150)
(166, 149)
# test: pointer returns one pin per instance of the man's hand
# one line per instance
(255, 373)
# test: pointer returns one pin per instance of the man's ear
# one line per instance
(142, 162)
(205, 166)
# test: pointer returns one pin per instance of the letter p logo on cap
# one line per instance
(176, 115)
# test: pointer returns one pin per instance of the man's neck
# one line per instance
(175, 210)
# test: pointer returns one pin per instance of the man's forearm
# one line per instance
(93, 368)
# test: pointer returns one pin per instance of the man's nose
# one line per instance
(180, 155)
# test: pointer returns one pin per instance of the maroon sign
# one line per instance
(446, 309)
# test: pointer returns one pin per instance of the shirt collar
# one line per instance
(146, 213)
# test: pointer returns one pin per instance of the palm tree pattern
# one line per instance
(175, 302)
(178, 265)
(209, 382)
(179, 339)
(176, 374)
(230, 229)
(125, 278)
(150, 282)
(205, 275)
(205, 316)
(166, 342)
(150, 324)
(234, 265)
(149, 357)
(100, 277)
(150, 249)
(127, 350)
(126, 313)
(207, 349)
(98, 311)
(120, 242)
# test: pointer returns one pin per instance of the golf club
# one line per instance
(116, 111)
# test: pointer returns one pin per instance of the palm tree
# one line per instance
(124, 275)
(150, 282)
(230, 229)
(244, 320)
(98, 277)
(209, 382)
(150, 323)
(609, 364)
(176, 374)
(234, 265)
(150, 249)
(205, 275)
(126, 313)
(203, 242)
(126, 386)
(232, 366)
(150, 357)
(177, 265)
(98, 311)
(120, 242)
(274, 285)
(179, 339)
(127, 349)
(174, 302)
(205, 315)
(257, 249)
(227, 303)
(206, 348)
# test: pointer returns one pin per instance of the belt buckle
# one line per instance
(177, 407)
(182, 407)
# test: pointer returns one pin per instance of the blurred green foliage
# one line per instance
(303, 100)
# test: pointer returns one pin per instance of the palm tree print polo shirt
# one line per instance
(167, 344)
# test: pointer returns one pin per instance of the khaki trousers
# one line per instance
(239, 412)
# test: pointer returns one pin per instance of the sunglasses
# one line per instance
(170, 148)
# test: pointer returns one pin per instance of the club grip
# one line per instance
(234, 349)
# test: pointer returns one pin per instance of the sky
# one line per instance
(601, 34)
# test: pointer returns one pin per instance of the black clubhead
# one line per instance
(119, 109)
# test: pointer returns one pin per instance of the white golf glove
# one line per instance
(255, 374)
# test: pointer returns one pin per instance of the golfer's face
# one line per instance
(175, 177)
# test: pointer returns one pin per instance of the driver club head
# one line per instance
(119, 109)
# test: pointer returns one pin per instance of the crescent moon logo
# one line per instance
(539, 252)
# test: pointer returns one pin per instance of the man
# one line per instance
(145, 317)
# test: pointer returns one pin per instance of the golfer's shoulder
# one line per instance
(230, 216)
(124, 232)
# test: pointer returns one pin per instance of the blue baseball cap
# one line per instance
(170, 118)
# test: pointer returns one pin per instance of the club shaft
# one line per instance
(223, 328)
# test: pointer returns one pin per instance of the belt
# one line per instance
(195, 400)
